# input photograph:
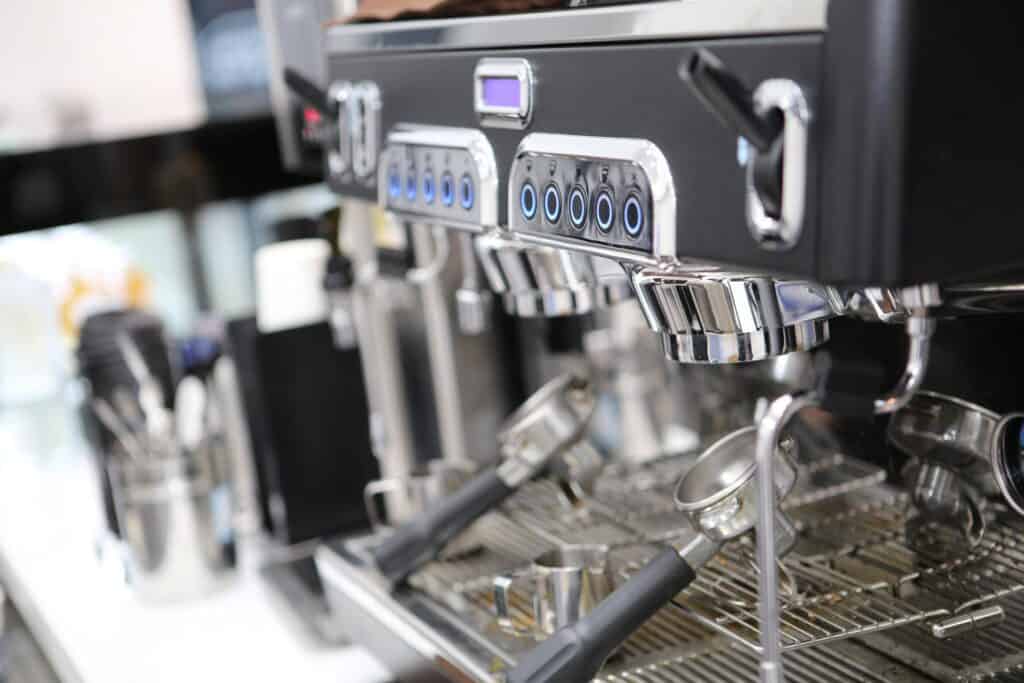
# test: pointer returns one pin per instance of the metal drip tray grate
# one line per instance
(853, 578)
(730, 664)
(855, 575)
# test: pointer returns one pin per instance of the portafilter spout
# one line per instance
(540, 281)
(719, 496)
(538, 435)
(711, 316)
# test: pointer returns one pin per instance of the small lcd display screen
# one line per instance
(501, 92)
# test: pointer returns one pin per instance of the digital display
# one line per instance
(501, 92)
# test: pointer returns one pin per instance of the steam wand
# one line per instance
(919, 328)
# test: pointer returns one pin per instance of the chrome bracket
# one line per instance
(784, 231)
(339, 155)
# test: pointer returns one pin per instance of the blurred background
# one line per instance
(140, 173)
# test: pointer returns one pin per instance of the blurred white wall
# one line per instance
(76, 70)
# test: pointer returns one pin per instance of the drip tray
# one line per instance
(441, 627)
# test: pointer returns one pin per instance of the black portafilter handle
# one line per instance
(729, 97)
(576, 653)
(420, 540)
(308, 91)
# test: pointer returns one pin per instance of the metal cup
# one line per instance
(566, 584)
(175, 516)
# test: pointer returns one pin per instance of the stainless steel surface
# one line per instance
(769, 431)
(377, 307)
(474, 303)
(648, 406)
(411, 347)
(537, 281)
(968, 621)
(851, 575)
(646, 21)
(951, 442)
(948, 432)
(722, 317)
(364, 122)
(546, 425)
(771, 424)
(942, 495)
(176, 521)
(431, 248)
(782, 231)
(718, 493)
(892, 305)
(919, 330)
(339, 149)
(566, 583)
(942, 301)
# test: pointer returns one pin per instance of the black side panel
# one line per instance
(920, 136)
(618, 91)
(965, 159)
(862, 126)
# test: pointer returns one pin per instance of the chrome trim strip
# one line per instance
(645, 21)
(562, 242)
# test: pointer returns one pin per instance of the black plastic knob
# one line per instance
(729, 98)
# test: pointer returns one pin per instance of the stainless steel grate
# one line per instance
(852, 575)
(731, 664)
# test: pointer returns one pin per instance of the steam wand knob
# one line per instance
(729, 98)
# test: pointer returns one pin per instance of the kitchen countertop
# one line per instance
(89, 624)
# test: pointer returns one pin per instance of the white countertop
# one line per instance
(91, 627)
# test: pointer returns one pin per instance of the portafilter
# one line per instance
(962, 451)
(540, 434)
(718, 496)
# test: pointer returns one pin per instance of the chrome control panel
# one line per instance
(439, 174)
(607, 192)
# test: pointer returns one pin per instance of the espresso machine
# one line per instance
(775, 187)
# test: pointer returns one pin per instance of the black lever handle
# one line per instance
(731, 100)
(577, 652)
(419, 540)
(309, 92)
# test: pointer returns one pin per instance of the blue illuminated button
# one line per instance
(577, 208)
(604, 211)
(447, 189)
(528, 201)
(466, 192)
(633, 216)
(552, 203)
(410, 186)
(394, 183)
(429, 191)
